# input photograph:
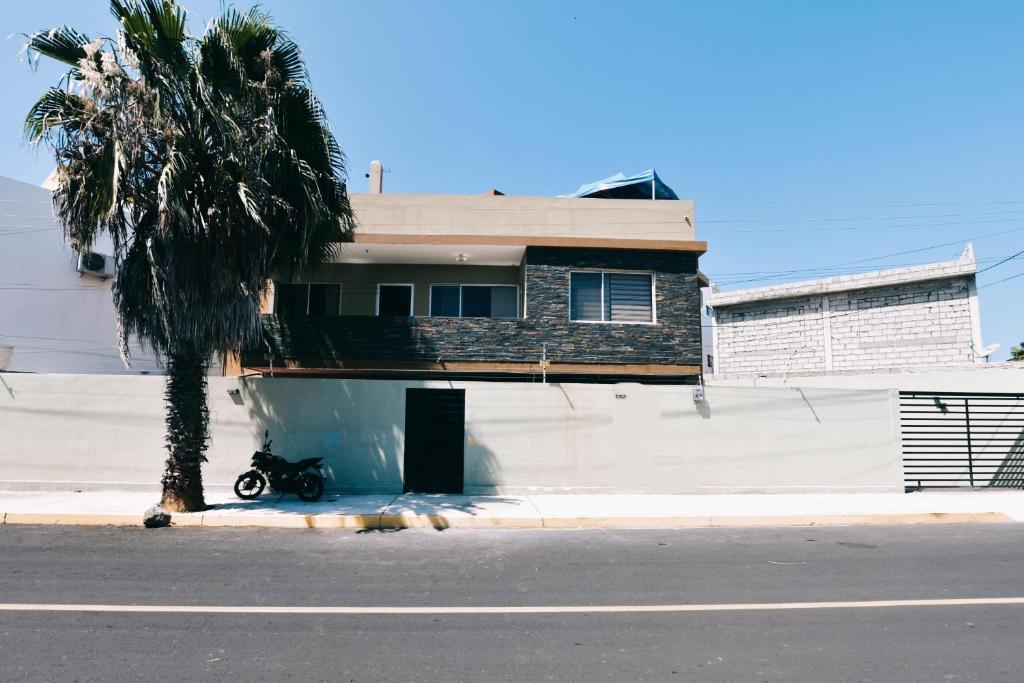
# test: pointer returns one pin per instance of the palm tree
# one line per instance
(210, 164)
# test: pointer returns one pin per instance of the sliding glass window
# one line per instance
(315, 299)
(474, 301)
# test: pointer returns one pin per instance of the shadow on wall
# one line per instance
(1010, 473)
(483, 472)
(357, 426)
(360, 437)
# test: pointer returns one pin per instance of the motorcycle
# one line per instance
(304, 478)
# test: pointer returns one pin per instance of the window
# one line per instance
(445, 301)
(324, 300)
(474, 301)
(292, 300)
(315, 299)
(611, 297)
(394, 300)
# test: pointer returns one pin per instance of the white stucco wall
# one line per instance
(55, 320)
(999, 378)
(79, 430)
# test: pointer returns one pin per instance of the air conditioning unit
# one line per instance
(97, 265)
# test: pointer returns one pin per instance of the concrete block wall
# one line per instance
(924, 324)
(786, 335)
(898, 326)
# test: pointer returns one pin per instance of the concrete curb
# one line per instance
(372, 522)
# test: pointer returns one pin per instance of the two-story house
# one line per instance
(496, 287)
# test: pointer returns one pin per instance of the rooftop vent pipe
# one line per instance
(376, 176)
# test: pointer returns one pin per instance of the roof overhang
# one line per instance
(420, 253)
(522, 241)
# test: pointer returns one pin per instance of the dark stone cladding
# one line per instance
(673, 340)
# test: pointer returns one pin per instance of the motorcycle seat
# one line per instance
(309, 461)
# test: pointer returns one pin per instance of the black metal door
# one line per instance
(435, 427)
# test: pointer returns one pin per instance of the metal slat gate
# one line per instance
(954, 439)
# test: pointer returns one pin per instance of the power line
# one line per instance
(835, 316)
(856, 218)
(860, 205)
(906, 226)
(823, 272)
(1008, 258)
(898, 253)
(1005, 279)
(809, 271)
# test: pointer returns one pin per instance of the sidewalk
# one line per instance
(524, 512)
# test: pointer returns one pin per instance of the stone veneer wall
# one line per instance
(673, 340)
(913, 325)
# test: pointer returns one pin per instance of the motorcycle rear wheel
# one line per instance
(309, 487)
(250, 485)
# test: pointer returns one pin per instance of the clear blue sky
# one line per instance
(877, 127)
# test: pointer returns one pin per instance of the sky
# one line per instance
(814, 137)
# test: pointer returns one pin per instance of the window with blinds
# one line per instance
(611, 297)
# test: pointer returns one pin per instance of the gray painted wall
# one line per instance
(77, 431)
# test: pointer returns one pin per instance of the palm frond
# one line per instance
(57, 108)
(63, 44)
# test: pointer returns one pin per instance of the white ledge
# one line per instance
(965, 265)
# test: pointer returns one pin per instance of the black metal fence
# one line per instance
(954, 439)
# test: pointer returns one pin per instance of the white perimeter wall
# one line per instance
(1005, 378)
(88, 431)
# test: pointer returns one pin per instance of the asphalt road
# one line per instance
(310, 569)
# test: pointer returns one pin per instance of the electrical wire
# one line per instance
(1008, 258)
(834, 316)
(834, 219)
(860, 205)
(885, 256)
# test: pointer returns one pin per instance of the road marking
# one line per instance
(507, 609)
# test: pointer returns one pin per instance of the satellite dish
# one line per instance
(989, 350)
(986, 350)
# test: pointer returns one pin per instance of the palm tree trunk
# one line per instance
(187, 432)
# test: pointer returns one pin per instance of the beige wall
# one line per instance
(359, 282)
(79, 431)
(422, 214)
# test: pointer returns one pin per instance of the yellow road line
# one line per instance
(506, 609)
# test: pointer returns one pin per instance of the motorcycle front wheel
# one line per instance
(250, 485)
(309, 487)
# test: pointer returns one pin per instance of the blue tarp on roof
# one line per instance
(619, 186)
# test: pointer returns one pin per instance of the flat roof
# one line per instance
(964, 265)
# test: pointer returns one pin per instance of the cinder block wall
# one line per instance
(913, 325)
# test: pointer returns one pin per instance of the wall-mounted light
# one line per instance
(461, 258)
